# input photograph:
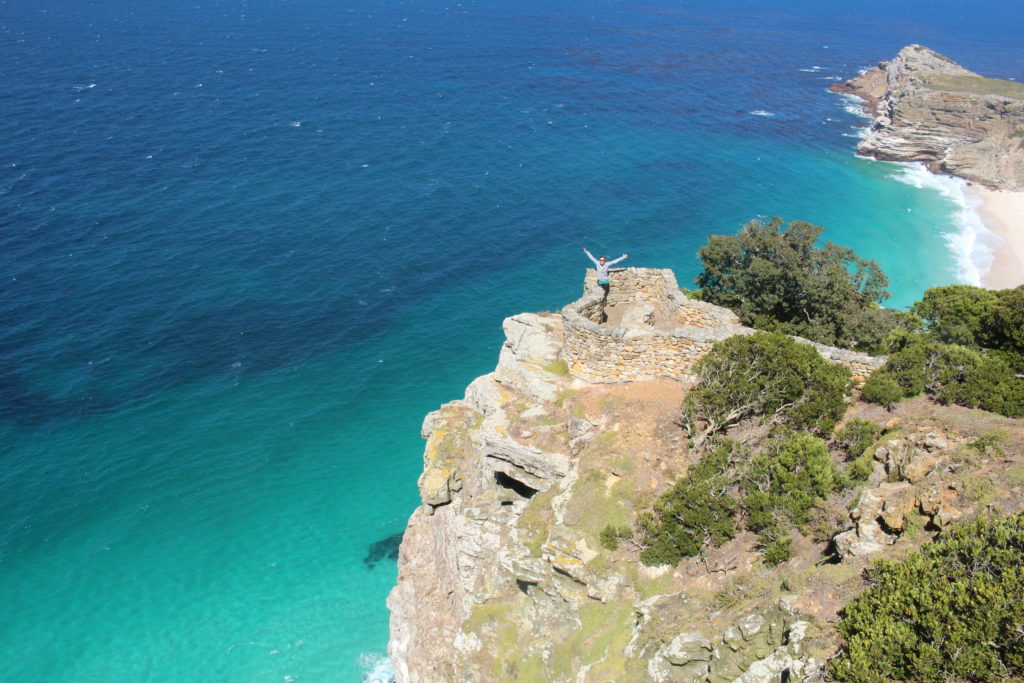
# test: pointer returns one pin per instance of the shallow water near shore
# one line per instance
(247, 246)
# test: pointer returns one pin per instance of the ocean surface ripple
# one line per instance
(247, 245)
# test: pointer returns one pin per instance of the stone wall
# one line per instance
(638, 349)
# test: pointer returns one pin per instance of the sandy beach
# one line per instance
(1003, 213)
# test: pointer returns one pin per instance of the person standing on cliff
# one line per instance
(603, 277)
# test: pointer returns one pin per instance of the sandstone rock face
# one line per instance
(461, 547)
(927, 108)
(916, 465)
(514, 567)
(500, 574)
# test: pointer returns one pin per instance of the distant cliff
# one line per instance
(507, 571)
(927, 108)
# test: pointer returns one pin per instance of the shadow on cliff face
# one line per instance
(384, 549)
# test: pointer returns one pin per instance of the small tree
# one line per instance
(769, 375)
(958, 314)
(777, 279)
(950, 373)
(977, 318)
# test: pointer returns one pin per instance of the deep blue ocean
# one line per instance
(246, 245)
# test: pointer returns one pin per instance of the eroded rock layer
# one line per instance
(929, 109)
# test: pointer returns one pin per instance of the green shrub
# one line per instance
(855, 439)
(958, 314)
(776, 550)
(785, 480)
(977, 318)
(611, 535)
(768, 375)
(697, 510)
(950, 612)
(775, 489)
(856, 436)
(882, 389)
(860, 469)
(952, 374)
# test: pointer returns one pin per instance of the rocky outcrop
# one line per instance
(521, 562)
(929, 109)
(502, 575)
(921, 489)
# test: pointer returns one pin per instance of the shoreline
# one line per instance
(1002, 213)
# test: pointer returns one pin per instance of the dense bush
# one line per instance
(882, 389)
(856, 436)
(958, 314)
(951, 612)
(977, 318)
(785, 479)
(775, 278)
(781, 485)
(952, 374)
(611, 535)
(774, 489)
(767, 375)
(697, 510)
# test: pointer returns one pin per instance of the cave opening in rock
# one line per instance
(505, 481)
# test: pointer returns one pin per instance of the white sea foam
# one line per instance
(972, 243)
(761, 112)
(854, 105)
(376, 668)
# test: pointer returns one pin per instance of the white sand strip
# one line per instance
(1003, 213)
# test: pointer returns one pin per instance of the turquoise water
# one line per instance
(247, 245)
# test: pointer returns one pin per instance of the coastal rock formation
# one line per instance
(520, 564)
(929, 109)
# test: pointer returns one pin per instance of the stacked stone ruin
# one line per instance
(648, 328)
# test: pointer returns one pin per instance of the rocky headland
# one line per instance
(506, 570)
(927, 108)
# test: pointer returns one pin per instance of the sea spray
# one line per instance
(376, 668)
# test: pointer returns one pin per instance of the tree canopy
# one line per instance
(774, 277)
(977, 318)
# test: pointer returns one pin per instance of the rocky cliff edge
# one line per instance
(928, 108)
(503, 576)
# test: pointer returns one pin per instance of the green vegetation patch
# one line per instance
(597, 506)
(968, 353)
(975, 85)
(535, 523)
(557, 367)
(767, 375)
(952, 374)
(950, 612)
(605, 630)
(857, 439)
(767, 492)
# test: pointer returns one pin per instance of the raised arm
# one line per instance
(590, 256)
(611, 263)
